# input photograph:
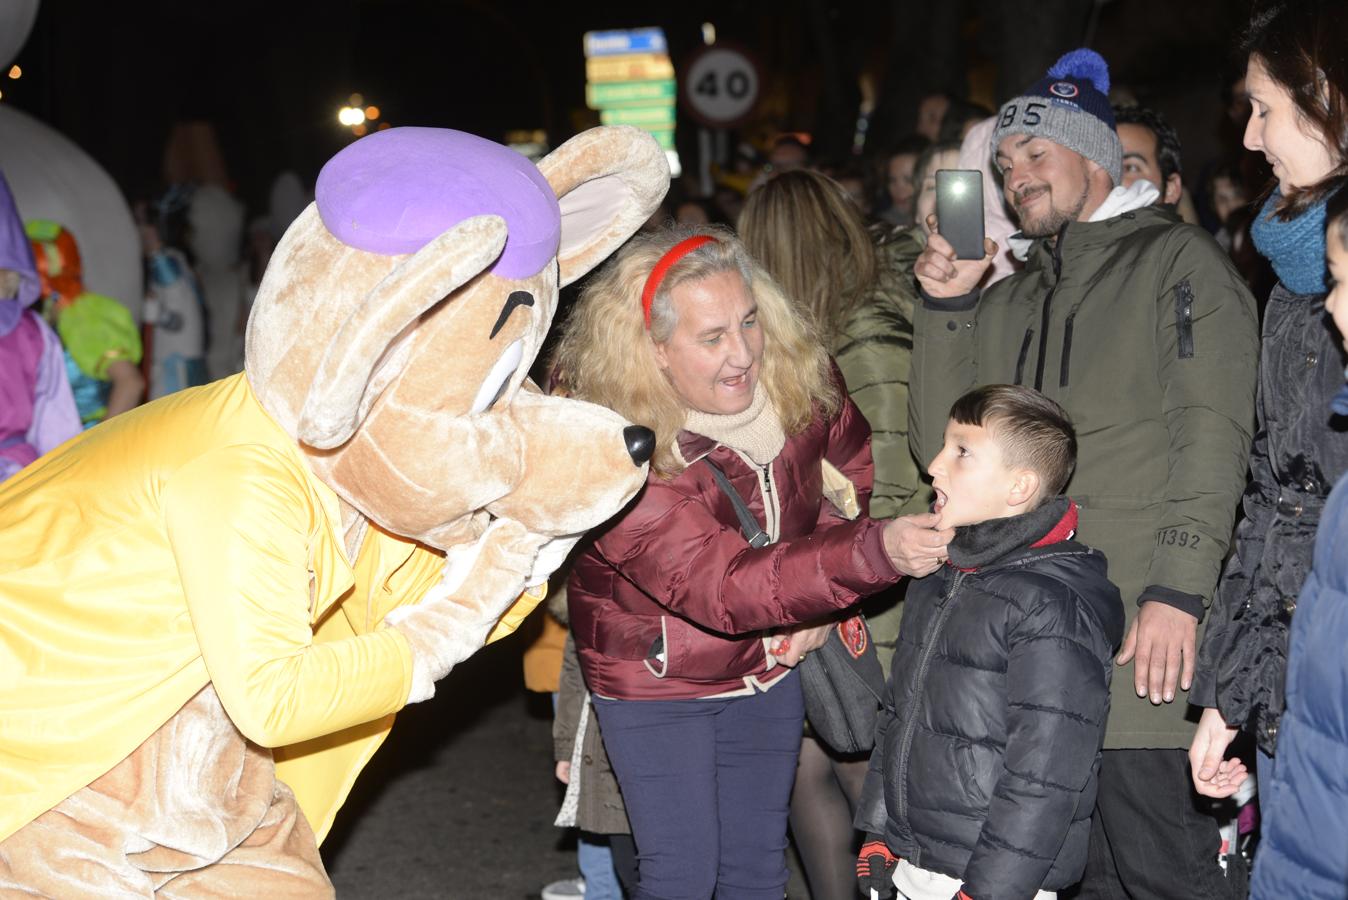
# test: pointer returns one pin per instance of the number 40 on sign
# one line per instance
(720, 86)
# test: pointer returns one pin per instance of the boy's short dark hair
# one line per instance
(1336, 214)
(1033, 431)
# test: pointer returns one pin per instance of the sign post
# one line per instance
(719, 89)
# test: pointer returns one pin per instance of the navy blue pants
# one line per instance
(707, 785)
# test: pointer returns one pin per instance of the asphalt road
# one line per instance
(460, 800)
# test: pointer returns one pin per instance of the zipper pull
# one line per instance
(769, 517)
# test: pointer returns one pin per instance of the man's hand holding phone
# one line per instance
(941, 274)
(950, 265)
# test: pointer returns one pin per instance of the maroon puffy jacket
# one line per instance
(676, 566)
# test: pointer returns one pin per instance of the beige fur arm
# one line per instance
(551, 555)
(452, 621)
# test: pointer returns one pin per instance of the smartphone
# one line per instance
(959, 210)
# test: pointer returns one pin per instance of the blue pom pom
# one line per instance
(1081, 64)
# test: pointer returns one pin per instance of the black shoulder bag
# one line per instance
(842, 681)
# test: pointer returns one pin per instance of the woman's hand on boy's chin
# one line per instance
(916, 546)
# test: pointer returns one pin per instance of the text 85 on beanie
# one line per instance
(1070, 107)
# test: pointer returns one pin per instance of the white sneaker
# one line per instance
(566, 889)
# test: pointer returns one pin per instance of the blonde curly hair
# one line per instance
(605, 353)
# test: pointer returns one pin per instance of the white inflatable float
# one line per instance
(52, 178)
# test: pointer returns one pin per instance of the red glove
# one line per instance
(875, 869)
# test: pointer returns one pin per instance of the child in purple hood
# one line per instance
(37, 408)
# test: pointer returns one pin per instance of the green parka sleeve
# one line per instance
(874, 353)
(945, 366)
(1207, 344)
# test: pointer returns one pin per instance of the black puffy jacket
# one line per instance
(1300, 450)
(986, 767)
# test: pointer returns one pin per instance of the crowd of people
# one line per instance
(1092, 398)
(187, 330)
(1077, 497)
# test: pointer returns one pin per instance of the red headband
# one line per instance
(672, 256)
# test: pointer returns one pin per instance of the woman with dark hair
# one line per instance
(1297, 80)
(1305, 807)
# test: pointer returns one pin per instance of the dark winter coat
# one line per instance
(675, 573)
(1140, 327)
(986, 768)
(1300, 449)
(1304, 851)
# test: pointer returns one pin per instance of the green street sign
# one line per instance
(611, 94)
(648, 117)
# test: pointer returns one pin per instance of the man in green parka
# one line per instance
(1140, 327)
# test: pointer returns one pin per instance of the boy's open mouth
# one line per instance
(940, 500)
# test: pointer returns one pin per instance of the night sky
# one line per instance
(272, 75)
(114, 77)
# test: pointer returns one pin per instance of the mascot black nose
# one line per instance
(640, 443)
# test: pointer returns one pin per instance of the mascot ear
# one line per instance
(608, 181)
(332, 408)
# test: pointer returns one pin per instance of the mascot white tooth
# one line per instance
(199, 648)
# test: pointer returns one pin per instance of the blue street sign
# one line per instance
(619, 43)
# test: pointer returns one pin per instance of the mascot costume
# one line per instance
(211, 606)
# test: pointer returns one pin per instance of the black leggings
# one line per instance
(624, 851)
(823, 801)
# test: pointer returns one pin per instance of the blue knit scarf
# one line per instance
(1296, 249)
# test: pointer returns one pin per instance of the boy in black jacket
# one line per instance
(983, 778)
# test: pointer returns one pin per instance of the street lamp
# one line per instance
(359, 117)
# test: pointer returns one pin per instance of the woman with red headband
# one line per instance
(687, 616)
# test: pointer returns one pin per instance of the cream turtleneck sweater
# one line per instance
(757, 432)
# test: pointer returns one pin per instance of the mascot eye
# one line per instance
(495, 384)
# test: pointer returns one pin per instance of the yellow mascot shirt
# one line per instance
(183, 543)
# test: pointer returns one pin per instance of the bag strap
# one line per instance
(753, 533)
(758, 538)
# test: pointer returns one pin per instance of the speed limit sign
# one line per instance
(720, 86)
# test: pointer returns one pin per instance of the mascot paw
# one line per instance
(481, 581)
(551, 556)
